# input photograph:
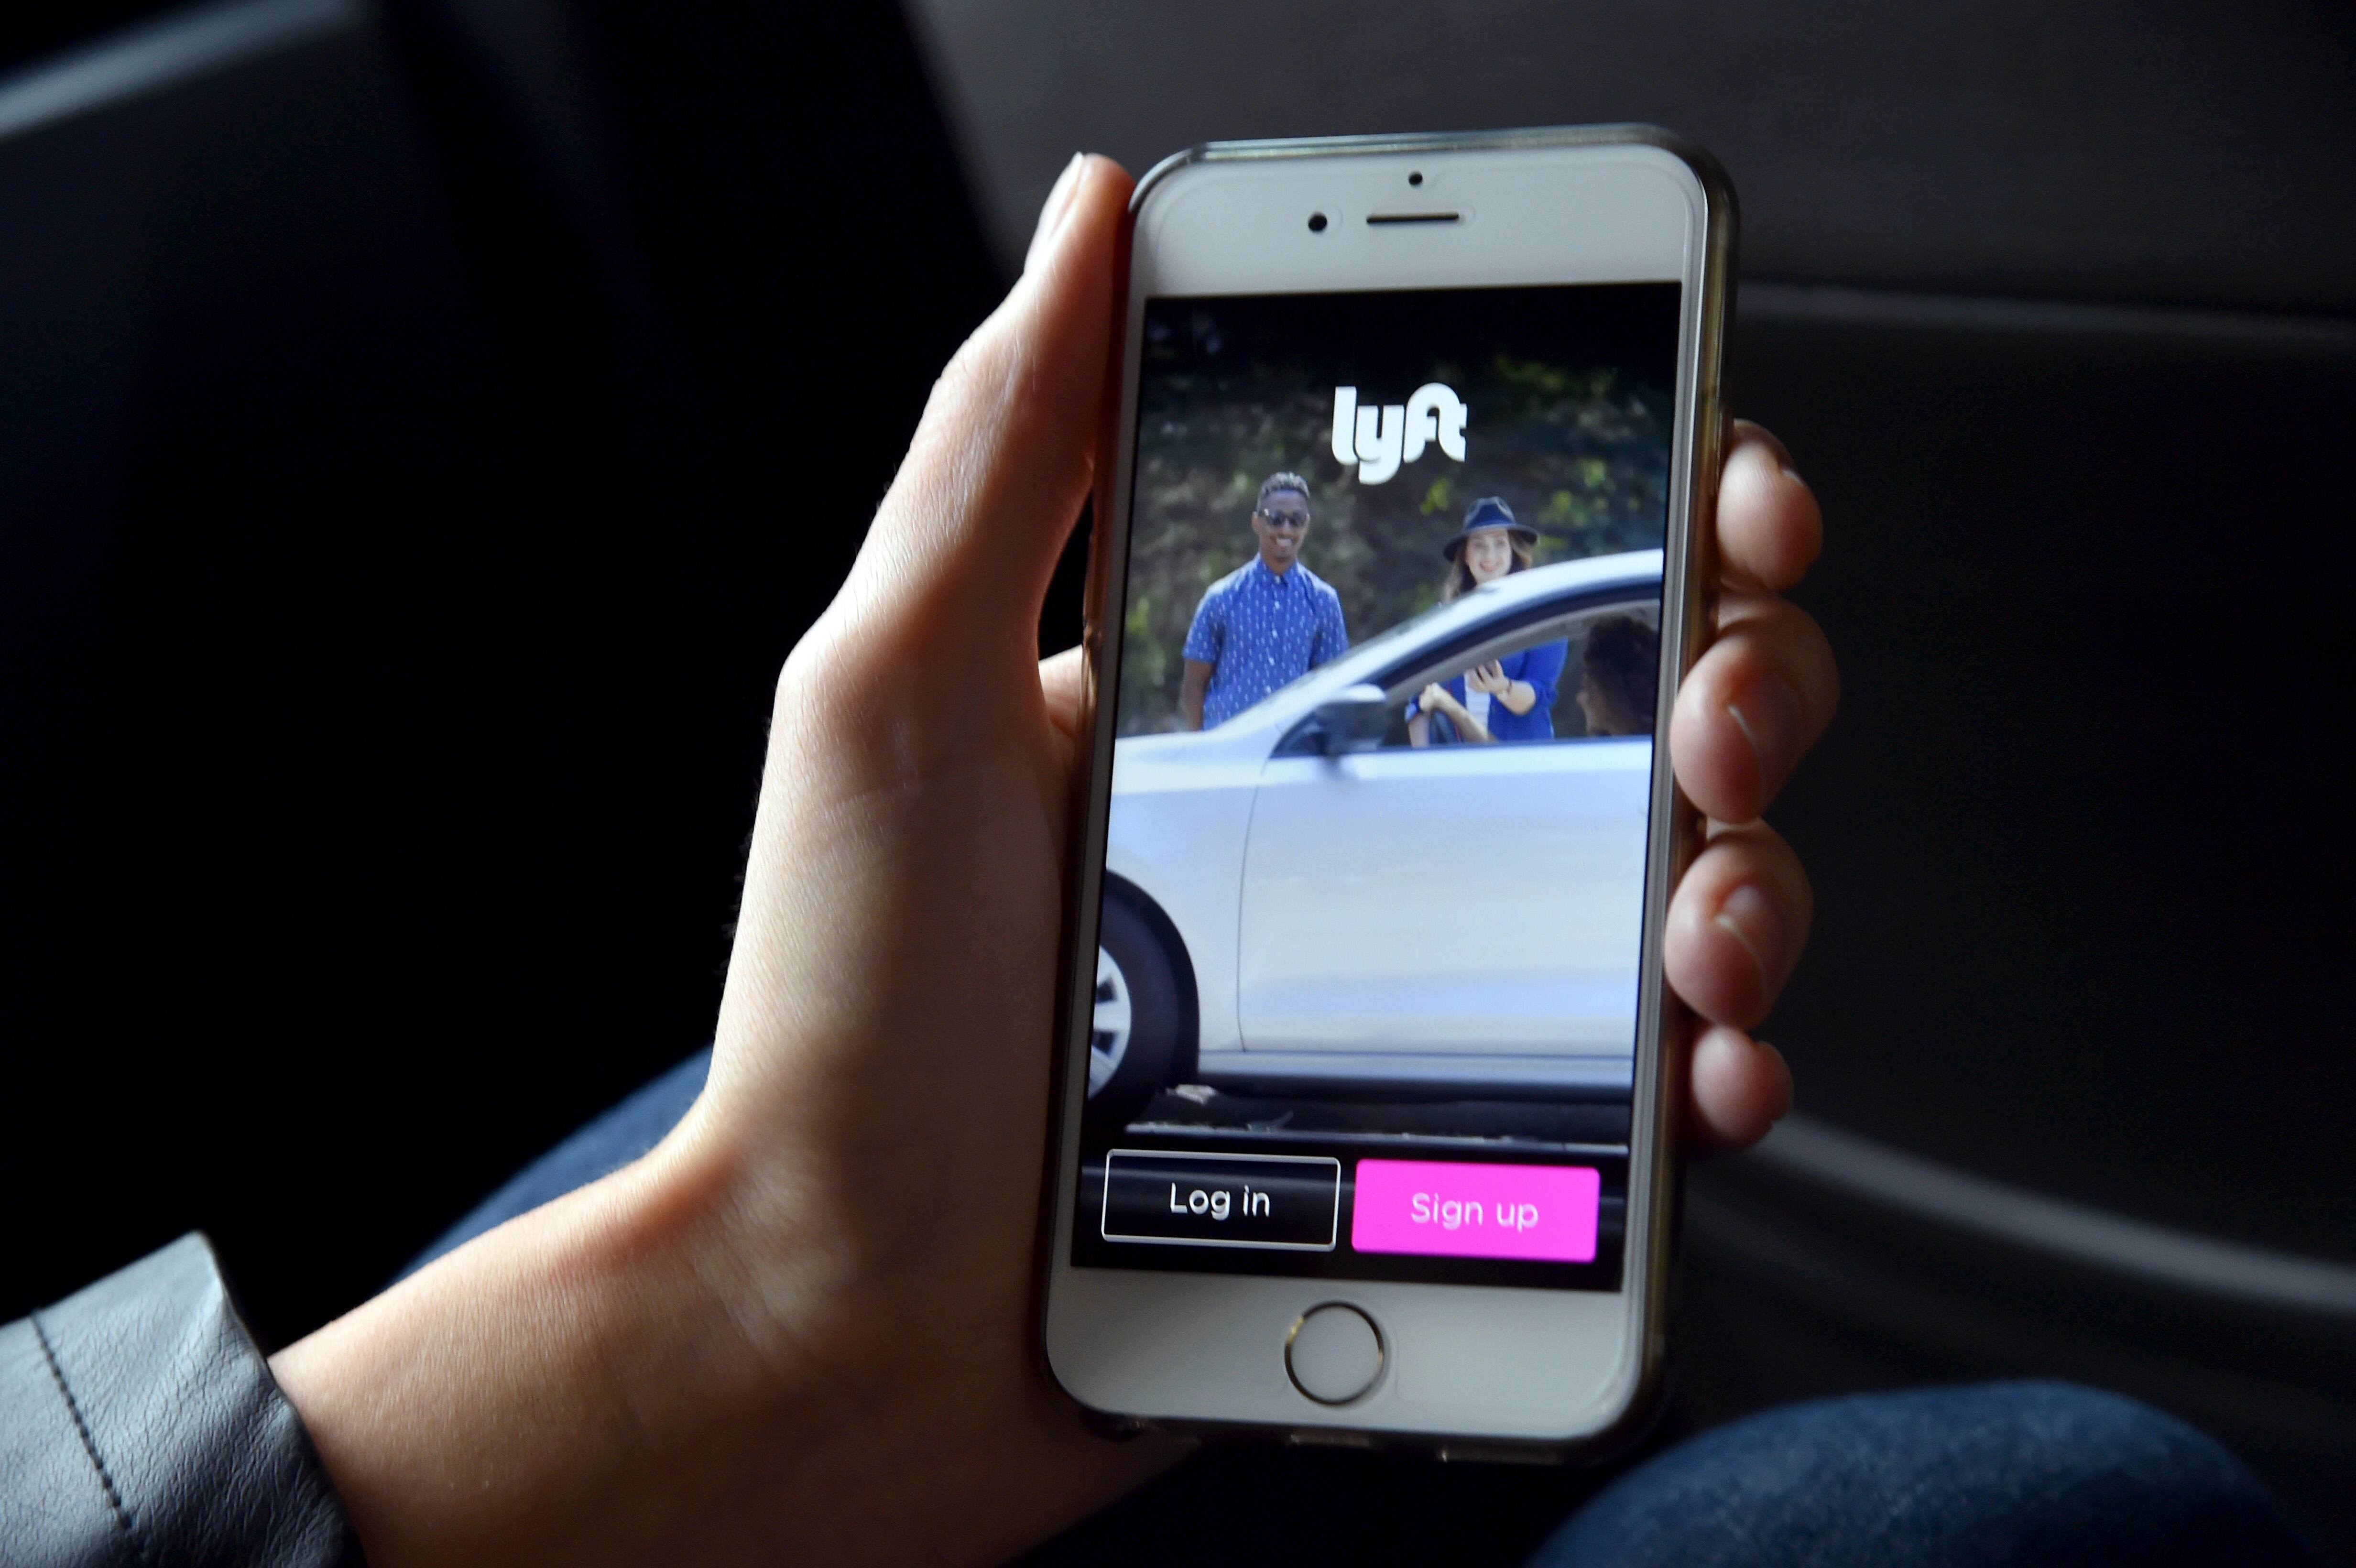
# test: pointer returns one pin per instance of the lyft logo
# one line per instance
(1379, 439)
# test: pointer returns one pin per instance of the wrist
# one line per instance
(680, 1364)
(551, 1392)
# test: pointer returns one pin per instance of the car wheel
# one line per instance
(1134, 1037)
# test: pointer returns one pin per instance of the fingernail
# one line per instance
(1059, 202)
(1770, 719)
(1747, 915)
(1783, 457)
(1782, 453)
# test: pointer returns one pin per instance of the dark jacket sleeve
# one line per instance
(139, 1425)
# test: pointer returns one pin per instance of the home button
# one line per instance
(1335, 1353)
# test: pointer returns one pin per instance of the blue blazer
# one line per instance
(1541, 667)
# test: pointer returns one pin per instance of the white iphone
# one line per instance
(1401, 535)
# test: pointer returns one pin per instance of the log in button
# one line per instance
(1290, 1202)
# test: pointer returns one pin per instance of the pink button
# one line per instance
(1477, 1210)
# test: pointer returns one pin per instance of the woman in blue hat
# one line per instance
(1511, 699)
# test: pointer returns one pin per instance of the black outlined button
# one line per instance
(1162, 1198)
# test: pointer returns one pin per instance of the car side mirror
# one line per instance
(1353, 720)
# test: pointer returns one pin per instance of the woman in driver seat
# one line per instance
(1508, 699)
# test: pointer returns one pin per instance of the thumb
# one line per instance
(961, 551)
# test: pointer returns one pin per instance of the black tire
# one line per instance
(1141, 974)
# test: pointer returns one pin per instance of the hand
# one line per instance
(1435, 698)
(1489, 677)
(1750, 709)
(799, 1330)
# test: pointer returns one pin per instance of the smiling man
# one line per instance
(1266, 624)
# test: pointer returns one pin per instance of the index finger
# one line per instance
(1770, 528)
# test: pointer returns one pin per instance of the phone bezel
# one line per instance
(1155, 1372)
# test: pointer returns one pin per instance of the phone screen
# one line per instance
(1366, 980)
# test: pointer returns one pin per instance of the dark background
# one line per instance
(426, 426)
(419, 463)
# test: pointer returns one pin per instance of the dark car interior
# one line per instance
(425, 425)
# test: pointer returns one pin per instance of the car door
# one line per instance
(1450, 899)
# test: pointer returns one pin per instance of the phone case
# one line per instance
(1653, 1098)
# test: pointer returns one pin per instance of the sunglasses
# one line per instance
(1285, 520)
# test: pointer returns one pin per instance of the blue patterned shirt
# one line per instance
(1260, 630)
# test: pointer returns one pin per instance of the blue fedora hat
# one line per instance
(1488, 512)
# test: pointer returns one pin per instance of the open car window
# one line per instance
(1574, 628)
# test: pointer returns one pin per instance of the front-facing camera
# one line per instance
(1317, 223)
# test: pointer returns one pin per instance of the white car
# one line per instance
(1299, 901)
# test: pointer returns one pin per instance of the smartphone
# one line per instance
(1401, 549)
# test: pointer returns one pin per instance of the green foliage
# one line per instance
(1577, 454)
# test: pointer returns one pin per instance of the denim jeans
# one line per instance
(2028, 1475)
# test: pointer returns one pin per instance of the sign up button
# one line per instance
(1447, 1210)
(1290, 1202)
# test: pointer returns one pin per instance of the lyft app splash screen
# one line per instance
(1366, 976)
